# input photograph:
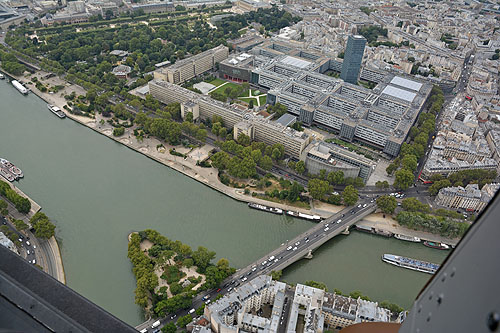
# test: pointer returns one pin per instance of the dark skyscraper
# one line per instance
(353, 56)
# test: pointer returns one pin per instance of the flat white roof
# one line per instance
(289, 60)
(399, 93)
(402, 82)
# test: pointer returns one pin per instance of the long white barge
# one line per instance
(22, 89)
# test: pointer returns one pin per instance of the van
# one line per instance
(191, 311)
(156, 324)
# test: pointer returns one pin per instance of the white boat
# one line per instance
(19, 87)
(55, 110)
(407, 238)
(2, 76)
(410, 263)
(9, 170)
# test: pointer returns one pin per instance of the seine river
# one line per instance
(97, 191)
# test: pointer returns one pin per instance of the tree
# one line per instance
(315, 284)
(300, 167)
(169, 328)
(266, 162)
(223, 264)
(318, 188)
(335, 199)
(409, 162)
(382, 184)
(350, 195)
(202, 257)
(404, 179)
(391, 168)
(244, 140)
(387, 204)
(183, 321)
(20, 225)
(276, 275)
(220, 160)
(335, 177)
(434, 188)
(414, 205)
(44, 229)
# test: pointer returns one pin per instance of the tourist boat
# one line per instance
(9, 168)
(7, 175)
(265, 208)
(439, 246)
(407, 238)
(316, 218)
(19, 87)
(409, 263)
(55, 110)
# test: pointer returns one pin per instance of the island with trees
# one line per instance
(169, 273)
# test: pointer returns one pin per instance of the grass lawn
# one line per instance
(227, 85)
(263, 99)
(217, 82)
(248, 99)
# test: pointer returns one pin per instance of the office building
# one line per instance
(330, 157)
(353, 56)
(188, 68)
(262, 129)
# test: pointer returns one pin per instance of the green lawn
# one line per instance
(263, 99)
(221, 89)
(217, 82)
(248, 99)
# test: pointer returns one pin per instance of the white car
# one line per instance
(254, 269)
(326, 229)
(295, 248)
(28, 251)
(339, 221)
(364, 205)
(297, 244)
(264, 263)
(289, 248)
(359, 206)
(28, 243)
(34, 246)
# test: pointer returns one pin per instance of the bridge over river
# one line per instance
(293, 250)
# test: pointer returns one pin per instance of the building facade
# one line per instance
(188, 68)
(470, 198)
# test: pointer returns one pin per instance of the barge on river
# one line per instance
(409, 263)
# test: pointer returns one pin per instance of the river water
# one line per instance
(97, 191)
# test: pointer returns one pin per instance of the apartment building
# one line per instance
(309, 308)
(470, 198)
(188, 68)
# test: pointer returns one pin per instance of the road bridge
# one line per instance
(298, 248)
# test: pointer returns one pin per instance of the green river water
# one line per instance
(97, 191)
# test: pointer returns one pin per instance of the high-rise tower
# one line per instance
(353, 56)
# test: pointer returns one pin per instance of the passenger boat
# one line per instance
(55, 110)
(7, 168)
(265, 208)
(409, 263)
(439, 246)
(316, 218)
(22, 89)
(407, 238)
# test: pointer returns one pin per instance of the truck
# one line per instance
(156, 324)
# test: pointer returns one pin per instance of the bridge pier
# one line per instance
(346, 231)
(309, 255)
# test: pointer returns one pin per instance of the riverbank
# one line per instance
(147, 147)
(50, 259)
(207, 176)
